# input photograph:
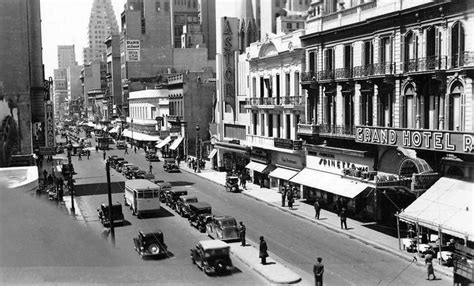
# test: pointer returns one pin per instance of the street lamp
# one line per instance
(71, 186)
(198, 150)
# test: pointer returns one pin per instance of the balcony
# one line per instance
(326, 75)
(308, 77)
(272, 102)
(259, 141)
(307, 129)
(465, 59)
(384, 68)
(426, 64)
(363, 71)
(175, 118)
(343, 73)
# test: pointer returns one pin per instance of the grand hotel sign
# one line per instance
(436, 140)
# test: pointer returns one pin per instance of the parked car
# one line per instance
(200, 214)
(117, 214)
(120, 165)
(140, 174)
(182, 204)
(152, 157)
(170, 165)
(131, 171)
(121, 144)
(150, 243)
(212, 256)
(172, 197)
(165, 187)
(232, 184)
(223, 227)
(149, 177)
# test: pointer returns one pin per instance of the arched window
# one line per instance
(455, 121)
(410, 108)
(457, 45)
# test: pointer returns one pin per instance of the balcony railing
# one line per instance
(336, 130)
(326, 75)
(363, 71)
(384, 68)
(276, 101)
(308, 76)
(426, 64)
(307, 129)
(343, 73)
(463, 59)
(257, 140)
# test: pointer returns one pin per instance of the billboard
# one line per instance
(132, 50)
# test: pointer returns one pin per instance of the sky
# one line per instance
(64, 22)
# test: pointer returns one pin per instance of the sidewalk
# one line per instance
(356, 230)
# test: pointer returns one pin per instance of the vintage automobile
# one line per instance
(120, 164)
(165, 187)
(152, 157)
(150, 243)
(232, 184)
(182, 205)
(223, 227)
(140, 174)
(114, 160)
(200, 214)
(170, 165)
(130, 171)
(172, 197)
(121, 144)
(212, 256)
(117, 214)
(149, 177)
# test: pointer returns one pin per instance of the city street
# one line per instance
(295, 242)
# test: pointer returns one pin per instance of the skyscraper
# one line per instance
(102, 23)
(66, 56)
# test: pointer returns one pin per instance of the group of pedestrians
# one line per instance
(288, 193)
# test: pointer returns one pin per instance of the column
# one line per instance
(375, 106)
(357, 104)
(275, 124)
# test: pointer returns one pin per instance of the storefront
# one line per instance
(287, 166)
(325, 179)
(259, 167)
(230, 156)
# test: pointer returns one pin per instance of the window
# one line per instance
(167, 6)
(297, 84)
(262, 124)
(242, 106)
(409, 116)
(457, 45)
(158, 6)
(278, 88)
(287, 84)
(386, 51)
(329, 59)
(288, 126)
(270, 125)
(454, 109)
(368, 53)
(312, 62)
(411, 51)
(228, 108)
(278, 127)
(254, 87)
(288, 26)
(254, 123)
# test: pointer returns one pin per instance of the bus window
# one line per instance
(156, 194)
(148, 194)
(140, 194)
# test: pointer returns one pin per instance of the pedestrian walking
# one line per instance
(261, 183)
(317, 209)
(343, 217)
(88, 154)
(429, 263)
(104, 154)
(135, 149)
(283, 196)
(194, 165)
(244, 181)
(45, 174)
(80, 156)
(263, 253)
(96, 148)
(151, 168)
(318, 270)
(338, 205)
(242, 231)
(290, 199)
(126, 150)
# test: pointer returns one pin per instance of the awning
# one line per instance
(164, 142)
(114, 130)
(176, 143)
(212, 154)
(448, 204)
(259, 167)
(330, 183)
(283, 173)
(127, 133)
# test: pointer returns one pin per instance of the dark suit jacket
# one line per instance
(318, 270)
(263, 249)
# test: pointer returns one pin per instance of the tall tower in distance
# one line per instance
(66, 56)
(102, 23)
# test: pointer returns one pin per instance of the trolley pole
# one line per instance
(109, 194)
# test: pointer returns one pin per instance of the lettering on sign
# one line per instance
(132, 53)
(49, 126)
(229, 46)
(437, 140)
(133, 44)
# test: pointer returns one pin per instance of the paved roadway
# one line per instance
(295, 241)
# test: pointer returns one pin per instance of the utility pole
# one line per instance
(109, 193)
(71, 185)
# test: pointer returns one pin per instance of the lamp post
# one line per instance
(198, 150)
(71, 186)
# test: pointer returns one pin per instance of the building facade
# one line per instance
(390, 102)
(102, 23)
(23, 89)
(66, 56)
(114, 84)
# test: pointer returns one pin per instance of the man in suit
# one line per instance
(263, 250)
(318, 270)
(242, 231)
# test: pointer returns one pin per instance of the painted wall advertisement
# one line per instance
(132, 48)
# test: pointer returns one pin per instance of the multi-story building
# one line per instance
(114, 83)
(390, 102)
(276, 103)
(23, 89)
(207, 17)
(66, 56)
(102, 23)
(60, 96)
(94, 84)
(74, 90)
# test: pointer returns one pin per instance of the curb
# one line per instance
(335, 229)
